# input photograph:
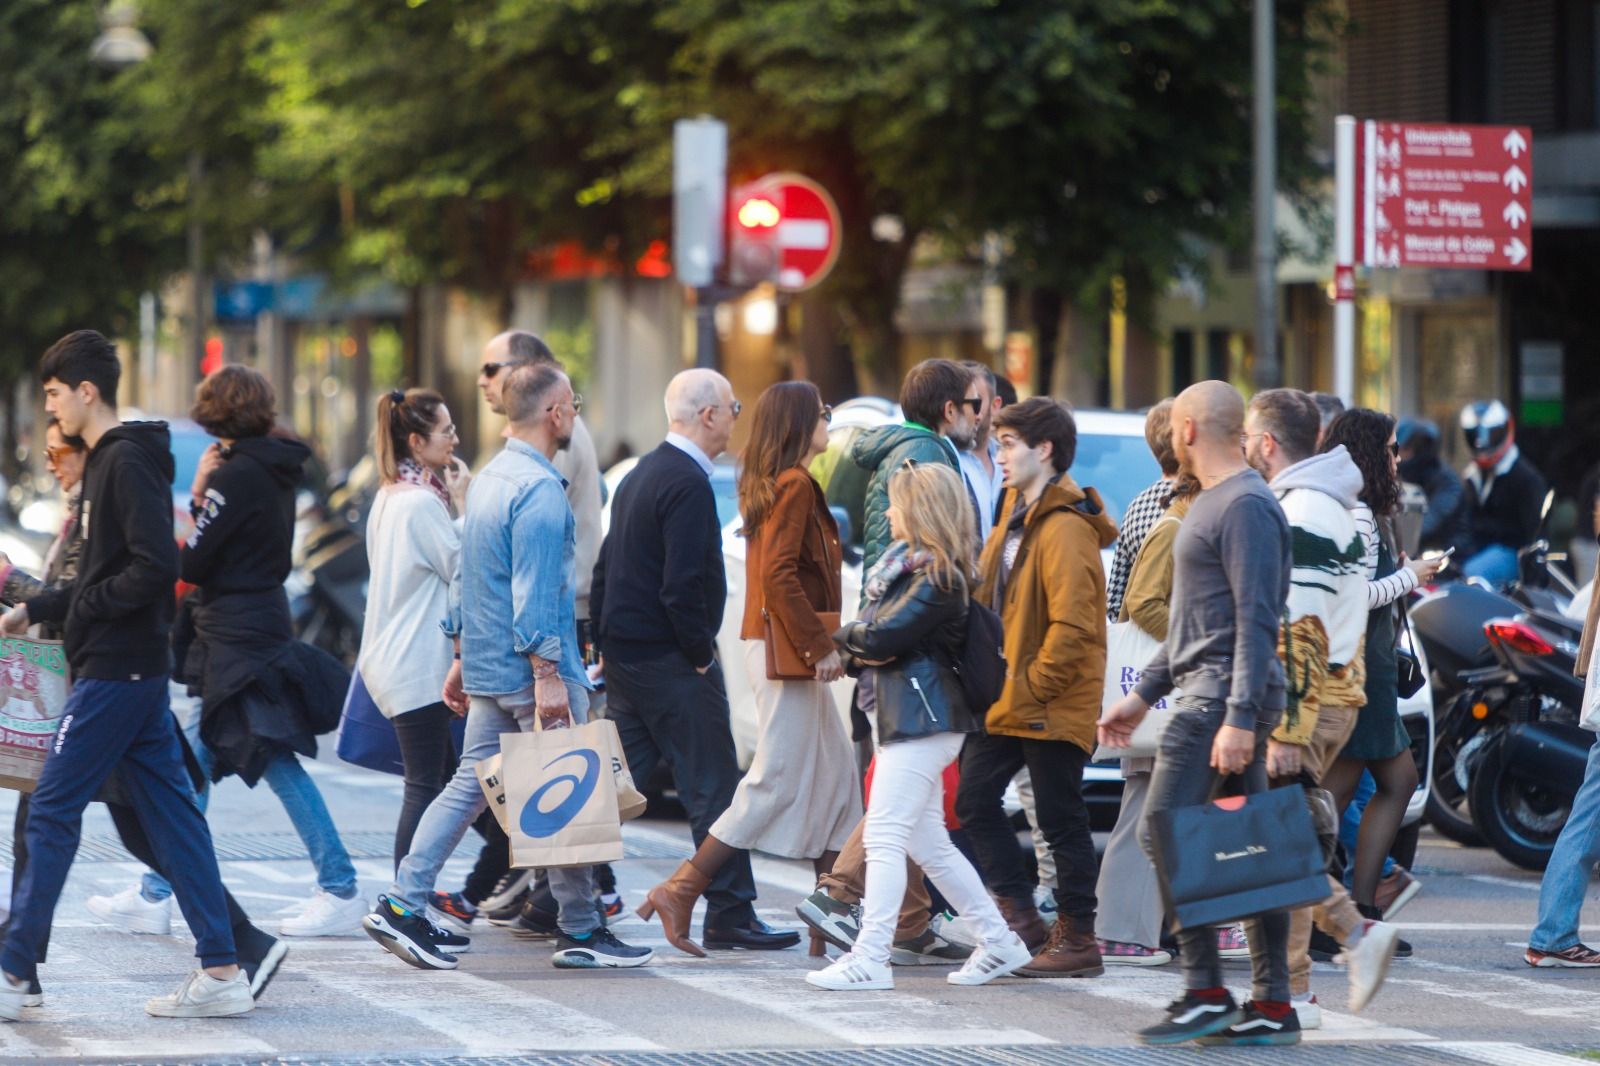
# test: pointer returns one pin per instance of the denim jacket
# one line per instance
(513, 591)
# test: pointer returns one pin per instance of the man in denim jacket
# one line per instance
(515, 580)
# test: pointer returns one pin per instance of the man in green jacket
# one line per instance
(941, 404)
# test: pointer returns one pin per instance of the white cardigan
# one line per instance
(412, 548)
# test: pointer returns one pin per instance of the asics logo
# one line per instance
(539, 823)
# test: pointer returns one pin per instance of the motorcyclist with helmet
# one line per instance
(1443, 526)
(1504, 494)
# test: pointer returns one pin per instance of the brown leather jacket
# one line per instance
(792, 566)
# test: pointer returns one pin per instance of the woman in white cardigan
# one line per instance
(413, 543)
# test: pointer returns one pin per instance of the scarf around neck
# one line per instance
(414, 473)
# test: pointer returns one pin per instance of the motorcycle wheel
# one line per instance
(1447, 808)
(1520, 819)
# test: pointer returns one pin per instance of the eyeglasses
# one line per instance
(735, 407)
(827, 413)
(489, 370)
(974, 402)
(447, 431)
(576, 401)
(55, 455)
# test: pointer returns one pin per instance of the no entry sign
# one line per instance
(1450, 196)
(797, 221)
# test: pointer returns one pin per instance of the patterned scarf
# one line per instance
(414, 473)
(897, 561)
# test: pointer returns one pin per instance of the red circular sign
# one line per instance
(808, 229)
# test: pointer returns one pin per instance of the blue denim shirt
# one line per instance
(513, 591)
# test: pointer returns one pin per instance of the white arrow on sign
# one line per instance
(1515, 214)
(1516, 251)
(1514, 178)
(1514, 143)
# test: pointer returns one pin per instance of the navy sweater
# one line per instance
(659, 586)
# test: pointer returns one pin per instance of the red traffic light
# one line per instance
(758, 212)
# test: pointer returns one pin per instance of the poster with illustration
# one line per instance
(33, 691)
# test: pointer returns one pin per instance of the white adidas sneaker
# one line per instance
(851, 973)
(992, 960)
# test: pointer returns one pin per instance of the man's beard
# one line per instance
(963, 438)
(563, 441)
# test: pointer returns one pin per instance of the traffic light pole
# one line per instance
(705, 327)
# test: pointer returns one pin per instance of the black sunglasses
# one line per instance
(491, 369)
(1394, 450)
(974, 402)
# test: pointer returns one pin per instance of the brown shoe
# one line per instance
(674, 900)
(1023, 918)
(1395, 891)
(1071, 952)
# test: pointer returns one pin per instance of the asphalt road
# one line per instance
(1465, 997)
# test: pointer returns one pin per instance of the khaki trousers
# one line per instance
(847, 882)
(1336, 915)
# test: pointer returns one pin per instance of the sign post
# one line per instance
(1451, 197)
(699, 195)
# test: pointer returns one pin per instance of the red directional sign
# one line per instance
(1445, 196)
(808, 229)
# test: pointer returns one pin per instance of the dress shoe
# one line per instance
(757, 936)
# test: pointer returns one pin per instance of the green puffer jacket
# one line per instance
(881, 452)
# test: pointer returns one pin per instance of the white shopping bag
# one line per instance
(1589, 717)
(1128, 649)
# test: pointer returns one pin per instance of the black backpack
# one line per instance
(981, 666)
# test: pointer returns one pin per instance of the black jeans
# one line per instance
(429, 753)
(988, 763)
(664, 710)
(1183, 777)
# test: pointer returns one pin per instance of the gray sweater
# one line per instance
(1230, 580)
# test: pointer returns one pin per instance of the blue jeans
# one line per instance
(1566, 879)
(1496, 564)
(1350, 824)
(452, 813)
(302, 802)
(109, 725)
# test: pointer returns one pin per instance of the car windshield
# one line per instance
(1118, 466)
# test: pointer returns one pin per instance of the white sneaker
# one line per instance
(1368, 962)
(327, 915)
(1308, 1010)
(204, 996)
(851, 973)
(955, 929)
(991, 961)
(13, 998)
(130, 912)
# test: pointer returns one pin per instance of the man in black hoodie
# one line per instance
(117, 618)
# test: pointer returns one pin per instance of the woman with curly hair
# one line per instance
(1379, 743)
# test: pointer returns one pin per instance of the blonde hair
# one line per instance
(936, 516)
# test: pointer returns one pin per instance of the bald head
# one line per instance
(700, 406)
(1214, 408)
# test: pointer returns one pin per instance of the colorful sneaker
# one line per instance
(1120, 953)
(408, 936)
(598, 951)
(610, 904)
(1578, 956)
(1256, 1029)
(1231, 943)
(837, 923)
(848, 973)
(452, 911)
(1191, 1018)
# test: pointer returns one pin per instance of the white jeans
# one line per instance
(905, 818)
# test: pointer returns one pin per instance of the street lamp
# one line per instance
(120, 45)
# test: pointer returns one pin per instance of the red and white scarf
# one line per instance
(414, 473)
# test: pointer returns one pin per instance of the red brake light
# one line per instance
(1518, 636)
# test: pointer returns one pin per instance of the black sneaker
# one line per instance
(507, 915)
(262, 964)
(532, 923)
(1323, 947)
(507, 891)
(1256, 1029)
(409, 936)
(1190, 1018)
(599, 950)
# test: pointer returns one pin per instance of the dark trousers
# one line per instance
(1183, 777)
(19, 867)
(107, 723)
(429, 753)
(988, 763)
(664, 710)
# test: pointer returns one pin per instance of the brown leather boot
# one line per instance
(1023, 918)
(674, 899)
(1071, 952)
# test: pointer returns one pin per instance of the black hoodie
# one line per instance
(243, 537)
(117, 614)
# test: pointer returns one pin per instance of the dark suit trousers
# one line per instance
(664, 710)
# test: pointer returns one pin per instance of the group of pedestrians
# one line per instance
(1264, 566)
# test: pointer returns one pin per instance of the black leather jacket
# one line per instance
(919, 628)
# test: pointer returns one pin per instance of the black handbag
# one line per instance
(1238, 857)
(1411, 675)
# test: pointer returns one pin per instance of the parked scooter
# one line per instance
(328, 586)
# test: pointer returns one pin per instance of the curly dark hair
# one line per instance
(1365, 434)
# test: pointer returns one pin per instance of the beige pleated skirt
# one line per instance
(801, 796)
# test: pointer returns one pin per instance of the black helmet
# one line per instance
(1486, 425)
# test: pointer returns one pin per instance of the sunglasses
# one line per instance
(55, 455)
(489, 370)
(577, 404)
(975, 403)
(827, 413)
(1394, 450)
(735, 407)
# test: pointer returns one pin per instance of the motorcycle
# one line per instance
(328, 587)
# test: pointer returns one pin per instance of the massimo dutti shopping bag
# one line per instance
(561, 797)
(631, 802)
(1233, 858)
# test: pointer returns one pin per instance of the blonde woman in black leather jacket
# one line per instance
(909, 634)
